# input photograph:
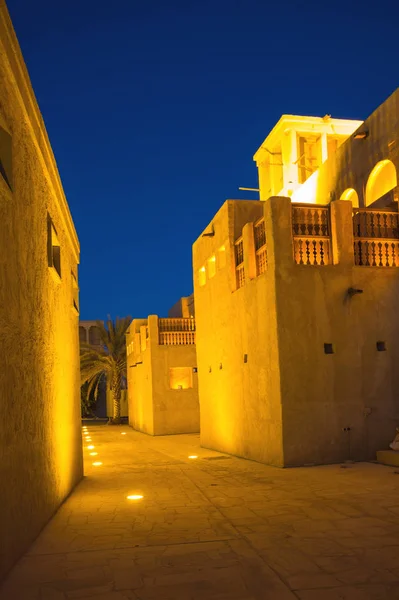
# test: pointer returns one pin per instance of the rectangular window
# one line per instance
(75, 293)
(181, 378)
(309, 156)
(222, 257)
(53, 247)
(239, 260)
(202, 276)
(211, 267)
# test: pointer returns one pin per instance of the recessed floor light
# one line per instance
(123, 433)
(134, 497)
(97, 464)
(193, 456)
(93, 453)
(90, 447)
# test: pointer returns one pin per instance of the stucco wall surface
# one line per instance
(40, 433)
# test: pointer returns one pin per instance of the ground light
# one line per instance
(90, 447)
(93, 453)
(134, 497)
(97, 464)
(123, 433)
(193, 456)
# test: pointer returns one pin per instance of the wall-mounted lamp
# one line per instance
(195, 370)
(245, 358)
(361, 135)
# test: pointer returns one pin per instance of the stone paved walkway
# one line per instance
(215, 527)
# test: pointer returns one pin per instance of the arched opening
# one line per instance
(382, 180)
(351, 194)
(82, 334)
(94, 336)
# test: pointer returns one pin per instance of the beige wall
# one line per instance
(240, 402)
(40, 433)
(288, 405)
(154, 407)
(183, 308)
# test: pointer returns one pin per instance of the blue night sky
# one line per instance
(155, 109)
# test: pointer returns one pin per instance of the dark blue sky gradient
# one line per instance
(155, 109)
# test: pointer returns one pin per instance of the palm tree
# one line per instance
(107, 360)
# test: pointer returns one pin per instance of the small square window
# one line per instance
(381, 347)
(328, 349)
(53, 247)
(180, 378)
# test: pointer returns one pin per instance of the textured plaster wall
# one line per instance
(40, 435)
(357, 385)
(240, 403)
(288, 405)
(175, 411)
(154, 408)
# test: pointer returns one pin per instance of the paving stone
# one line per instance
(214, 529)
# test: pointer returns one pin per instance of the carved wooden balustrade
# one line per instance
(239, 262)
(260, 246)
(176, 332)
(311, 234)
(376, 238)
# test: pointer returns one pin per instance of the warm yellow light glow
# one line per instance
(212, 266)
(90, 447)
(382, 180)
(134, 497)
(351, 194)
(123, 433)
(193, 456)
(93, 453)
(97, 464)
(202, 276)
(180, 378)
(222, 257)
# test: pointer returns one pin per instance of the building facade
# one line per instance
(297, 333)
(40, 428)
(162, 375)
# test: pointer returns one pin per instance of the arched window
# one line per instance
(94, 336)
(351, 194)
(381, 181)
(82, 334)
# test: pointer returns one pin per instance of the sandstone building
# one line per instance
(296, 298)
(40, 432)
(162, 373)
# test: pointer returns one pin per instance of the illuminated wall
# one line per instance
(162, 379)
(295, 149)
(40, 438)
(364, 168)
(270, 390)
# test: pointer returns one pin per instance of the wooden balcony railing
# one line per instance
(176, 332)
(311, 234)
(376, 238)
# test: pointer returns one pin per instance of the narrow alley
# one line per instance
(161, 518)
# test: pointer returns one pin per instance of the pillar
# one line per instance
(342, 232)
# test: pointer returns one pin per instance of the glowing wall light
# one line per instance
(93, 453)
(134, 497)
(193, 456)
(123, 433)
(90, 447)
(97, 464)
